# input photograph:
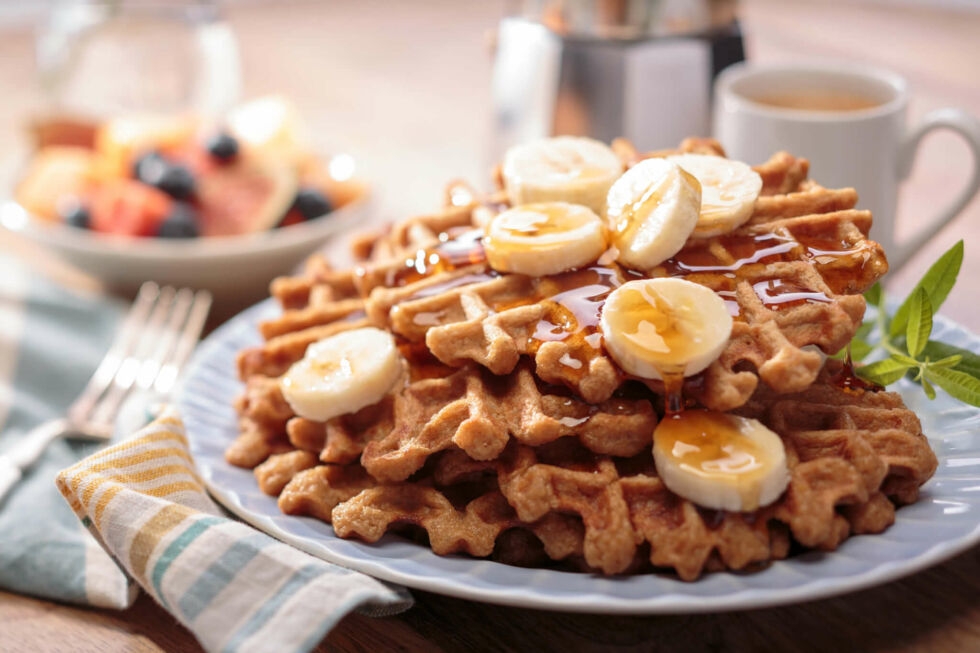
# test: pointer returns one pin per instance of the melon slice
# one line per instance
(245, 197)
(55, 174)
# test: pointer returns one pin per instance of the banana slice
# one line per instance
(652, 210)
(544, 238)
(342, 374)
(658, 327)
(720, 461)
(729, 190)
(565, 168)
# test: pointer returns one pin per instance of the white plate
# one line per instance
(945, 521)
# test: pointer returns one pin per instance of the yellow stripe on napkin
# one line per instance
(235, 588)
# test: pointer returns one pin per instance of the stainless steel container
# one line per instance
(636, 68)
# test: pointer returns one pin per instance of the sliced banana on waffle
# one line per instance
(729, 190)
(564, 168)
(720, 461)
(665, 326)
(342, 374)
(544, 238)
(652, 210)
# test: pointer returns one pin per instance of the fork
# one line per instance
(154, 342)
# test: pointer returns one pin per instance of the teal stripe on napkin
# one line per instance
(194, 531)
(219, 573)
(300, 579)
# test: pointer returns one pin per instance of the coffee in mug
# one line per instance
(817, 100)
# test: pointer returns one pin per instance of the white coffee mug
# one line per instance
(870, 149)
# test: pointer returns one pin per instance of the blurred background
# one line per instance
(406, 87)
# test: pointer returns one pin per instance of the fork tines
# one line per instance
(156, 338)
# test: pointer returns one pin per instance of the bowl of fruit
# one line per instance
(219, 204)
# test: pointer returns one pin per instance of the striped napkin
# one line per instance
(153, 525)
(235, 588)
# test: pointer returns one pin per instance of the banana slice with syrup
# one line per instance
(342, 374)
(652, 210)
(544, 238)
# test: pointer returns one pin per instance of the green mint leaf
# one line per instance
(929, 390)
(884, 372)
(905, 360)
(860, 349)
(960, 385)
(949, 361)
(873, 295)
(919, 322)
(969, 363)
(863, 330)
(937, 283)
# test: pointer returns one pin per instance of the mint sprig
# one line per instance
(904, 338)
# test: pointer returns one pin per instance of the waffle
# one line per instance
(512, 435)
(852, 456)
(792, 277)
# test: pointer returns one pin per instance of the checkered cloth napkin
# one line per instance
(139, 515)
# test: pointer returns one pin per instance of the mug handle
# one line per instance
(967, 126)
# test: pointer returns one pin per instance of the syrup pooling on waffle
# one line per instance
(779, 277)
(447, 289)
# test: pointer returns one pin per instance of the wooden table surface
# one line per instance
(411, 100)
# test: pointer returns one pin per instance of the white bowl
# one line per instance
(237, 269)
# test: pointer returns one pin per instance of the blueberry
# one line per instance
(176, 181)
(172, 178)
(78, 216)
(311, 203)
(149, 166)
(181, 223)
(222, 146)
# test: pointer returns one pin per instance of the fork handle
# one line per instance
(10, 474)
(26, 452)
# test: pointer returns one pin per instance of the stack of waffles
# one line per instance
(512, 434)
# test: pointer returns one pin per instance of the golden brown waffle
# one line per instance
(791, 276)
(478, 413)
(851, 455)
(470, 409)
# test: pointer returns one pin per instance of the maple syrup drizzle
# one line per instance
(673, 393)
(573, 302)
(843, 265)
(456, 249)
(574, 299)
(847, 379)
(780, 294)
(699, 257)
